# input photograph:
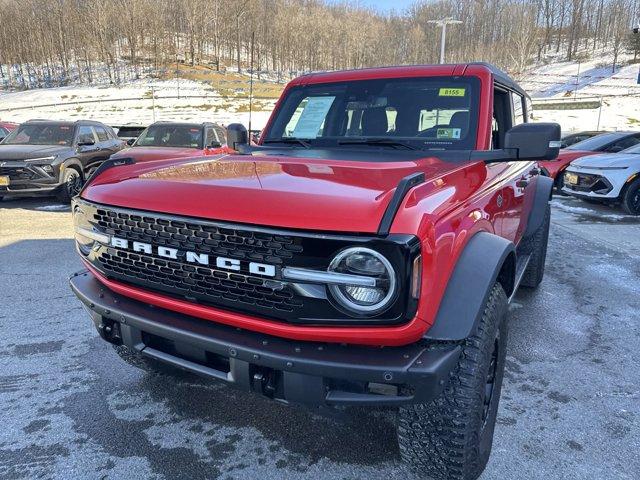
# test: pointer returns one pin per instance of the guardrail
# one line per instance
(579, 103)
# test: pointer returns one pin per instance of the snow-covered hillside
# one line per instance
(222, 97)
(139, 102)
(593, 78)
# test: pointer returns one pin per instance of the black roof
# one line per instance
(502, 77)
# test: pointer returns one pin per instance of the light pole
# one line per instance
(443, 24)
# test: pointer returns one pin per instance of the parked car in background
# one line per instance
(609, 178)
(573, 138)
(612, 142)
(49, 157)
(5, 128)
(128, 133)
(163, 140)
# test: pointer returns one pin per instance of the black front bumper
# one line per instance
(27, 178)
(308, 373)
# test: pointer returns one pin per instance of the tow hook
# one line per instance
(110, 331)
(264, 382)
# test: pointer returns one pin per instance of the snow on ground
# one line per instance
(594, 78)
(137, 102)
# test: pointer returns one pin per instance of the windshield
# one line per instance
(186, 136)
(434, 113)
(41, 134)
(595, 143)
(130, 131)
(634, 150)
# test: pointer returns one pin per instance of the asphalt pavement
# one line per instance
(72, 409)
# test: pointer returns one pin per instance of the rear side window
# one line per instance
(103, 136)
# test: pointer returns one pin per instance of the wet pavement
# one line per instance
(570, 407)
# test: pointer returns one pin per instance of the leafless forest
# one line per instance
(56, 42)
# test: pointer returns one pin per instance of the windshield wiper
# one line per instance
(387, 142)
(289, 140)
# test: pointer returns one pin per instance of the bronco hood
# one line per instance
(346, 196)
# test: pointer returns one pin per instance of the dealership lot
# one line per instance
(570, 405)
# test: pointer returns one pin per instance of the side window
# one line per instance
(518, 110)
(102, 134)
(85, 134)
(222, 137)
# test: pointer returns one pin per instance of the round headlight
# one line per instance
(364, 262)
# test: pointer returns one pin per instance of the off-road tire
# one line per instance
(71, 184)
(536, 246)
(631, 198)
(451, 437)
(135, 359)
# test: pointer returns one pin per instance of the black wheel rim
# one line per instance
(635, 201)
(74, 184)
(489, 386)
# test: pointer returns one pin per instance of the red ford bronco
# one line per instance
(362, 254)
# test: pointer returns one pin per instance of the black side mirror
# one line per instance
(534, 141)
(131, 141)
(237, 136)
(85, 142)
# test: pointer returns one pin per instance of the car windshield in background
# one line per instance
(434, 113)
(635, 150)
(41, 134)
(129, 132)
(186, 136)
(594, 143)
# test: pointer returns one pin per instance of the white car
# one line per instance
(608, 178)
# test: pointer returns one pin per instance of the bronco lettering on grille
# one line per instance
(193, 257)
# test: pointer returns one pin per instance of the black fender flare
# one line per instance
(486, 258)
(544, 190)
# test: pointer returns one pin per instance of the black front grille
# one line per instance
(200, 282)
(591, 183)
(20, 173)
(193, 281)
(229, 242)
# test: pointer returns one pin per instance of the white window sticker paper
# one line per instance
(312, 117)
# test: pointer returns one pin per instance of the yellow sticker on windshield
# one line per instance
(451, 92)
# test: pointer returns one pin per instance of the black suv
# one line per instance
(49, 157)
